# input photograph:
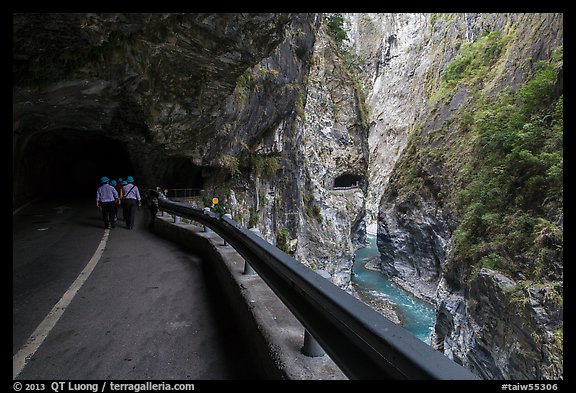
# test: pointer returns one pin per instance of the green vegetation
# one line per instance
(262, 197)
(335, 28)
(515, 191)
(231, 164)
(243, 84)
(494, 166)
(265, 165)
(473, 64)
(447, 17)
(222, 207)
(245, 81)
(283, 239)
(334, 24)
(315, 212)
(311, 207)
(475, 58)
(363, 107)
(266, 72)
(253, 218)
(238, 217)
(555, 351)
(300, 105)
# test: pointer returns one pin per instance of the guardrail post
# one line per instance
(247, 268)
(227, 215)
(311, 347)
(206, 211)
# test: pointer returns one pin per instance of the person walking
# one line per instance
(131, 200)
(114, 184)
(106, 198)
(151, 200)
(118, 188)
(122, 205)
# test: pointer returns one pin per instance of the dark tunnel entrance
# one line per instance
(348, 180)
(181, 173)
(67, 163)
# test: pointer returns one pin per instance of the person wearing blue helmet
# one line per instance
(118, 187)
(131, 200)
(121, 193)
(115, 185)
(106, 199)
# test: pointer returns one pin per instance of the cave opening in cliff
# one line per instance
(68, 163)
(348, 180)
(181, 173)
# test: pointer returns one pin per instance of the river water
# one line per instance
(416, 316)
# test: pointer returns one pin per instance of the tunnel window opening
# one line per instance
(182, 177)
(348, 180)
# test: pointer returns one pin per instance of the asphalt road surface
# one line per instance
(146, 311)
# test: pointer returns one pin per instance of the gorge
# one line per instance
(443, 131)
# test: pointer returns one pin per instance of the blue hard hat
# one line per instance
(113, 183)
(129, 179)
(124, 182)
(120, 180)
(104, 180)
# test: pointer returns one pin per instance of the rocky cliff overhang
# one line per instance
(79, 70)
(152, 82)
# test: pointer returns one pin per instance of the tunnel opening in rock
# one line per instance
(348, 180)
(181, 173)
(68, 163)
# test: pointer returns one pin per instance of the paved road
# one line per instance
(146, 311)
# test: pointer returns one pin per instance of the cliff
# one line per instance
(460, 221)
(284, 182)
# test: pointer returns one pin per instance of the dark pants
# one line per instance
(153, 211)
(130, 206)
(108, 213)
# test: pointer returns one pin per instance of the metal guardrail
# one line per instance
(183, 192)
(362, 342)
(345, 188)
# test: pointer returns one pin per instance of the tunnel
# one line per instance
(181, 173)
(348, 180)
(67, 163)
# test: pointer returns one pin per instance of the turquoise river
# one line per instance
(417, 316)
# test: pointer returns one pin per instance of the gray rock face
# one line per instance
(398, 57)
(504, 331)
(404, 56)
(416, 220)
(414, 234)
(317, 137)
(333, 144)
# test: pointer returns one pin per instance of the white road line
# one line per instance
(14, 212)
(37, 338)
